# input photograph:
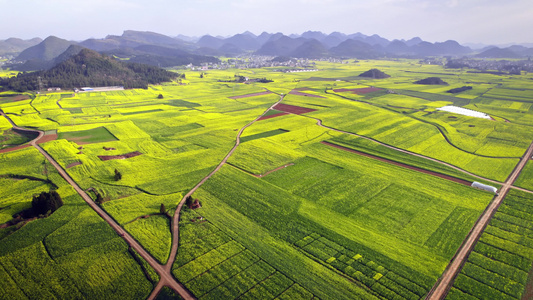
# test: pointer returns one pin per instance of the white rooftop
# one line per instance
(464, 111)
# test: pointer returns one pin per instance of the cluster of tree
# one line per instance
(432, 81)
(242, 79)
(41, 205)
(89, 68)
(45, 203)
(459, 90)
(375, 74)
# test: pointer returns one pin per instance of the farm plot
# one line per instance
(71, 253)
(154, 233)
(525, 179)
(389, 284)
(358, 91)
(16, 195)
(404, 232)
(214, 266)
(96, 135)
(413, 135)
(499, 265)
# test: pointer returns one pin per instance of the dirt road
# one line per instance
(166, 277)
(441, 288)
(175, 220)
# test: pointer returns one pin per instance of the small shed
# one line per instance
(484, 187)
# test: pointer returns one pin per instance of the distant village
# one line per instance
(258, 61)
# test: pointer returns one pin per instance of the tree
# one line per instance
(99, 200)
(188, 201)
(162, 209)
(160, 96)
(46, 202)
(202, 75)
(118, 175)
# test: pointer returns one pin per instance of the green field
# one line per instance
(314, 222)
(499, 266)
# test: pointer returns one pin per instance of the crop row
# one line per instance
(382, 281)
(214, 266)
(499, 265)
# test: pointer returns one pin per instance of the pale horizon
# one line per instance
(467, 22)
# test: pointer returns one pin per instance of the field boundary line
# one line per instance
(319, 123)
(445, 282)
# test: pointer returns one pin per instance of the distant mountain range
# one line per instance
(165, 51)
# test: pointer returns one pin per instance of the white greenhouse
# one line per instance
(464, 111)
(484, 187)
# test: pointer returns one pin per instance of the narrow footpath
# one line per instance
(443, 285)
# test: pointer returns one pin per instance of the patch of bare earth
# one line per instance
(14, 148)
(47, 138)
(272, 116)
(294, 92)
(297, 110)
(74, 164)
(250, 95)
(123, 156)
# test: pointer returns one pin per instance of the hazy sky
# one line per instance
(467, 21)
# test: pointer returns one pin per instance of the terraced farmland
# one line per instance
(289, 216)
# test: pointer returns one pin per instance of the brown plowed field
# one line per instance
(15, 148)
(272, 116)
(123, 156)
(297, 110)
(294, 92)
(74, 164)
(250, 95)
(360, 91)
(448, 177)
(47, 138)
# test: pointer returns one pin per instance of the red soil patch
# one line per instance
(21, 97)
(14, 148)
(272, 116)
(448, 177)
(294, 92)
(123, 156)
(74, 164)
(47, 138)
(250, 95)
(297, 110)
(108, 149)
(360, 91)
(272, 171)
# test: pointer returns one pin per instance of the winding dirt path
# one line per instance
(175, 220)
(166, 278)
(443, 285)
